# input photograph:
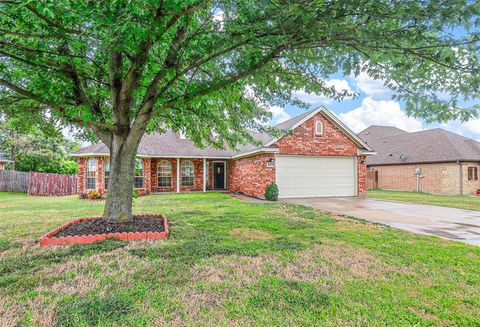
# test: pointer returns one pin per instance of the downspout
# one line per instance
(460, 176)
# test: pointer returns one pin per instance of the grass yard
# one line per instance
(453, 201)
(231, 262)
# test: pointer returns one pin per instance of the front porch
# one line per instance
(159, 175)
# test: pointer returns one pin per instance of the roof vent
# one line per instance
(366, 133)
(384, 141)
(182, 135)
(403, 157)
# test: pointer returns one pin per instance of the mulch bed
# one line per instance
(104, 226)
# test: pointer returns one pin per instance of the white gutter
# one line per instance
(83, 155)
(240, 155)
(361, 152)
(254, 152)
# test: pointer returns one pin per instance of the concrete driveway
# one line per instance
(455, 224)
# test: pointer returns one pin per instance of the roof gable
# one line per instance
(293, 123)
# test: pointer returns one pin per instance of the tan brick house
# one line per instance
(430, 161)
(316, 156)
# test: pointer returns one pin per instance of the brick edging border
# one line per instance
(49, 239)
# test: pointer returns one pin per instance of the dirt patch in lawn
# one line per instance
(250, 234)
(104, 226)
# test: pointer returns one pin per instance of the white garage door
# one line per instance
(302, 176)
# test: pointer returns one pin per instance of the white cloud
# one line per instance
(470, 129)
(379, 112)
(372, 87)
(340, 85)
(279, 114)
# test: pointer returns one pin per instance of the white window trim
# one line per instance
(142, 176)
(105, 164)
(95, 164)
(158, 173)
(181, 173)
(316, 127)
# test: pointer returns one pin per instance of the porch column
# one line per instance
(178, 175)
(204, 175)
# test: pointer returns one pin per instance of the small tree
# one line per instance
(123, 68)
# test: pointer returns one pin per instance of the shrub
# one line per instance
(135, 193)
(83, 195)
(271, 193)
(93, 195)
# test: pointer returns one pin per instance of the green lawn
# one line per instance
(228, 262)
(453, 201)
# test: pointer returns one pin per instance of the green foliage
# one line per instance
(188, 65)
(271, 193)
(39, 147)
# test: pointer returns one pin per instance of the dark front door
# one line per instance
(219, 175)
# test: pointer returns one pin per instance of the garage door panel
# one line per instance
(299, 176)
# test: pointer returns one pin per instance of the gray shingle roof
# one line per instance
(171, 144)
(395, 146)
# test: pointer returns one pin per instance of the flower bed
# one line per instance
(74, 232)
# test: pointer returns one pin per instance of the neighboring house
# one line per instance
(317, 156)
(445, 163)
(3, 161)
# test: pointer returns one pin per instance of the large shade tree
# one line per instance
(121, 68)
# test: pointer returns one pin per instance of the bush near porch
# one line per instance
(230, 261)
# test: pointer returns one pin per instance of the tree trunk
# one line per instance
(123, 152)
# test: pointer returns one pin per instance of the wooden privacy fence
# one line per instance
(13, 181)
(51, 184)
(40, 184)
(372, 179)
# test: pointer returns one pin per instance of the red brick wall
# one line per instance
(251, 175)
(82, 167)
(100, 175)
(303, 141)
(362, 182)
(147, 175)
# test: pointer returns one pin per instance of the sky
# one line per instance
(373, 106)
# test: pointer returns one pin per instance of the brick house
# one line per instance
(316, 156)
(431, 161)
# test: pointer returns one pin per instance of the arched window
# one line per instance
(91, 171)
(318, 128)
(138, 179)
(106, 171)
(164, 173)
(188, 173)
